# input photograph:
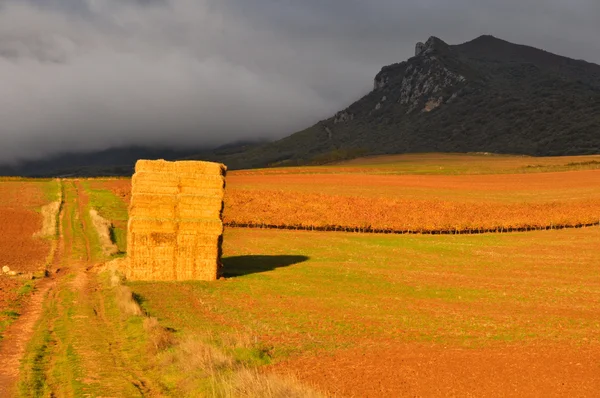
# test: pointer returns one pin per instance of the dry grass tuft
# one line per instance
(49, 223)
(103, 227)
(194, 360)
(125, 300)
(159, 338)
(192, 354)
(249, 383)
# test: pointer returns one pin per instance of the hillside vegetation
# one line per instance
(487, 95)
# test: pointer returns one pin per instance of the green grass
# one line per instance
(112, 208)
(300, 293)
(26, 288)
(6, 318)
(13, 309)
(446, 164)
(51, 190)
(33, 379)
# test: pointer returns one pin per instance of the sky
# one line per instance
(80, 75)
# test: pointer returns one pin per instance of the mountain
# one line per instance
(108, 162)
(487, 95)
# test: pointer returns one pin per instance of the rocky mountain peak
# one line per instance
(432, 44)
(423, 82)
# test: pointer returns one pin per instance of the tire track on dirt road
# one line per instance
(102, 355)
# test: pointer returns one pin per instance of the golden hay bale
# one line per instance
(151, 205)
(181, 167)
(202, 207)
(175, 226)
(152, 224)
(204, 226)
(199, 181)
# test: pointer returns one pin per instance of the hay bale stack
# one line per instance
(175, 226)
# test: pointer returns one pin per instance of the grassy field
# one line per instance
(514, 288)
(444, 164)
(298, 297)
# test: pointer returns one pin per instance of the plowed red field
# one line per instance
(20, 250)
(433, 371)
(19, 221)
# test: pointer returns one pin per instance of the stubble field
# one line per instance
(386, 198)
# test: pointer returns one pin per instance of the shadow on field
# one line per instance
(245, 265)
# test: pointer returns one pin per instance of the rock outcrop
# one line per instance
(422, 79)
(419, 48)
(343, 117)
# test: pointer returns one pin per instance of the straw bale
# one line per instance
(196, 257)
(205, 226)
(195, 206)
(176, 180)
(153, 188)
(152, 224)
(170, 184)
(205, 182)
(180, 167)
(175, 228)
(219, 192)
(152, 256)
(151, 205)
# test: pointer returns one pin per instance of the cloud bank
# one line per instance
(82, 75)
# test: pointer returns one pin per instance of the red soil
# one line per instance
(20, 250)
(413, 370)
(23, 194)
(18, 223)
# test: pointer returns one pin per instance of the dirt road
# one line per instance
(68, 342)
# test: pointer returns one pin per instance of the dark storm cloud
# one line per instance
(90, 74)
